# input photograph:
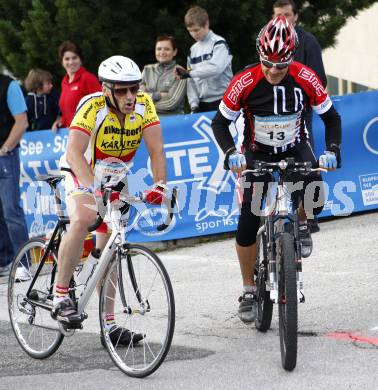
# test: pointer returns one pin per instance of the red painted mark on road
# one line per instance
(353, 337)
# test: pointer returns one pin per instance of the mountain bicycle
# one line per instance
(144, 301)
(278, 271)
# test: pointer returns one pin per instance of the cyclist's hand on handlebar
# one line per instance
(328, 160)
(237, 162)
(155, 195)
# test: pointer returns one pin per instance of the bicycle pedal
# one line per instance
(72, 326)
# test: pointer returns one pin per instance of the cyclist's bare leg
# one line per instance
(71, 247)
(247, 261)
(302, 213)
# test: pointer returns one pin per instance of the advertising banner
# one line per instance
(207, 200)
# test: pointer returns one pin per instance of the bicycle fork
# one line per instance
(273, 280)
(300, 295)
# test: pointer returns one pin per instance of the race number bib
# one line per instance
(111, 172)
(277, 130)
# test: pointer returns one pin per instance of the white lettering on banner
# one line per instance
(52, 171)
(212, 176)
(40, 229)
(205, 226)
(176, 155)
(30, 148)
(365, 136)
(204, 213)
(193, 156)
(60, 144)
(195, 159)
(369, 188)
(24, 177)
(238, 87)
(306, 74)
(35, 165)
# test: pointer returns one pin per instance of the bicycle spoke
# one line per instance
(32, 328)
(141, 278)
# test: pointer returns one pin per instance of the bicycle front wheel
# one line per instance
(29, 312)
(288, 303)
(138, 290)
(264, 304)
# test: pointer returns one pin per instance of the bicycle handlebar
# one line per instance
(171, 202)
(288, 164)
(171, 205)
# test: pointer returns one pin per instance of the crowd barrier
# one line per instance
(207, 200)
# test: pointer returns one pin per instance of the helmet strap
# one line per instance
(110, 103)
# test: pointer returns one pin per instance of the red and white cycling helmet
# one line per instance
(277, 40)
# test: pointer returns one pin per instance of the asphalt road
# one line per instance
(212, 349)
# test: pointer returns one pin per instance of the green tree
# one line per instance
(31, 30)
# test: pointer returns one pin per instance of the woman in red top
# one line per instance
(77, 83)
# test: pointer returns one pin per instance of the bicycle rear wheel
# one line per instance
(264, 304)
(37, 333)
(139, 288)
(288, 303)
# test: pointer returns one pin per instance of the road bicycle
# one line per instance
(133, 279)
(278, 272)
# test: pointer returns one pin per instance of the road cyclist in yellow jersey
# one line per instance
(106, 131)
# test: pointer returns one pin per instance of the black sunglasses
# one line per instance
(277, 65)
(123, 90)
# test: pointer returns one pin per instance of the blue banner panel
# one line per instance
(354, 187)
(207, 199)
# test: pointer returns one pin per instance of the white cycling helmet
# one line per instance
(120, 70)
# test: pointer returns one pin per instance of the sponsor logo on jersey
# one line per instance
(311, 77)
(238, 87)
(117, 130)
(87, 111)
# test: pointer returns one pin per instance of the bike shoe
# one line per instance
(122, 337)
(247, 307)
(306, 240)
(65, 312)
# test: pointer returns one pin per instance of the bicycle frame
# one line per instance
(116, 240)
(279, 210)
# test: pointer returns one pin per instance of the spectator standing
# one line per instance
(42, 100)
(13, 123)
(209, 63)
(308, 53)
(168, 92)
(77, 83)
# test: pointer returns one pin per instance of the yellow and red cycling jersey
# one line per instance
(107, 137)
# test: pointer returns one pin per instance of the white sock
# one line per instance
(249, 289)
(56, 300)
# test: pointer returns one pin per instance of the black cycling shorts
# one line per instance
(308, 189)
